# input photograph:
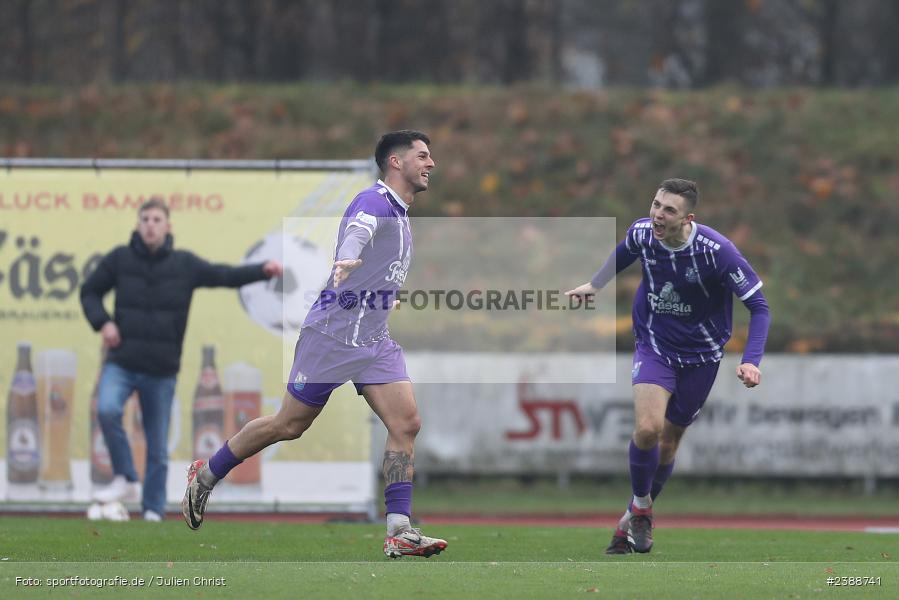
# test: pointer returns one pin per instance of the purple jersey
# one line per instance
(682, 310)
(356, 312)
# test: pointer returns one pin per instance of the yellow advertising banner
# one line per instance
(55, 226)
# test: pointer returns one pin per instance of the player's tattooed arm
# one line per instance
(397, 466)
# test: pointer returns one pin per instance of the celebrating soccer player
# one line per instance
(682, 320)
(345, 338)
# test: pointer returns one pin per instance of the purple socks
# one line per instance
(398, 498)
(662, 475)
(223, 461)
(644, 464)
(658, 482)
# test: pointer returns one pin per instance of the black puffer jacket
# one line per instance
(153, 293)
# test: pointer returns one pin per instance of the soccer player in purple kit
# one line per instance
(682, 320)
(345, 337)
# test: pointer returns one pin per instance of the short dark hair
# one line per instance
(684, 188)
(396, 139)
(154, 203)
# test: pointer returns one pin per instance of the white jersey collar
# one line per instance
(395, 195)
(690, 238)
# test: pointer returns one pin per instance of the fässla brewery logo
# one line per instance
(281, 303)
(667, 302)
(397, 271)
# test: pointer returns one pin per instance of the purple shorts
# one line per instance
(689, 385)
(321, 364)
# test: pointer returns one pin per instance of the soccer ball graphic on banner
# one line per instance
(281, 304)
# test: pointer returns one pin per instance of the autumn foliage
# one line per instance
(805, 182)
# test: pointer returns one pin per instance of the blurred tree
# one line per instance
(220, 21)
(888, 42)
(828, 27)
(248, 40)
(584, 43)
(503, 53)
(290, 26)
(671, 62)
(119, 53)
(417, 52)
(26, 51)
(516, 60)
(724, 48)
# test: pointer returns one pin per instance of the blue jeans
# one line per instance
(156, 394)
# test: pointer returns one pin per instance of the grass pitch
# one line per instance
(249, 560)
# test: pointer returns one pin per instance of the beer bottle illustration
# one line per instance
(243, 403)
(23, 458)
(101, 464)
(208, 409)
(55, 374)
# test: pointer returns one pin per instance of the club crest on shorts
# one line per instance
(636, 370)
(299, 382)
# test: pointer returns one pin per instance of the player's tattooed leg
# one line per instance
(397, 467)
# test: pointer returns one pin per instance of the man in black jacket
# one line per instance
(154, 284)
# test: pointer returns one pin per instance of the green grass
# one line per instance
(681, 496)
(62, 540)
(317, 561)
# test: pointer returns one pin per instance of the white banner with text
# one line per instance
(812, 416)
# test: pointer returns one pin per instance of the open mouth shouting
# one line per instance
(658, 230)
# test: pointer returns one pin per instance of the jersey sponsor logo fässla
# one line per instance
(668, 302)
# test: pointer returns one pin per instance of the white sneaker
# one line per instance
(114, 511)
(152, 516)
(95, 512)
(119, 490)
(412, 543)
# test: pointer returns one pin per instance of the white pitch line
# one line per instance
(881, 529)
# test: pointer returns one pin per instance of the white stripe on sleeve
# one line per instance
(752, 291)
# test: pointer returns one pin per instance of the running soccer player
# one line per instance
(345, 337)
(682, 320)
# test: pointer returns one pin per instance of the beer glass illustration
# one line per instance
(23, 458)
(243, 403)
(55, 374)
